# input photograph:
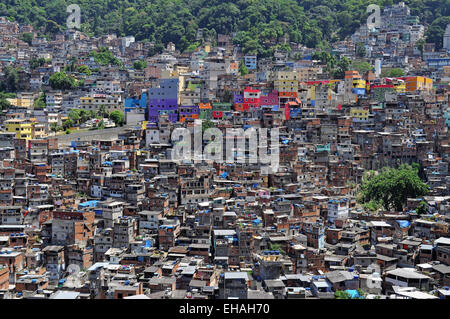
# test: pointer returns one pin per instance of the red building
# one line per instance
(251, 98)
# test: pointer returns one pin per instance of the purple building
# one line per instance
(269, 99)
(238, 98)
(188, 112)
(163, 100)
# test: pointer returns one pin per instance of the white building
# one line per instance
(53, 101)
(417, 32)
(338, 209)
(151, 136)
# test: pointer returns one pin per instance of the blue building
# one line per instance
(438, 63)
(163, 100)
(135, 109)
(447, 117)
(251, 62)
(131, 103)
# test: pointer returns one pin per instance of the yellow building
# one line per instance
(286, 83)
(312, 92)
(400, 87)
(111, 102)
(179, 70)
(359, 84)
(418, 83)
(38, 131)
(308, 74)
(359, 114)
(86, 102)
(23, 128)
(446, 69)
(144, 125)
(21, 102)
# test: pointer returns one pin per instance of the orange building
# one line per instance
(418, 83)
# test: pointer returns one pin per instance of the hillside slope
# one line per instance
(257, 22)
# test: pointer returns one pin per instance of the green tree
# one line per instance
(360, 50)
(276, 247)
(91, 115)
(342, 66)
(422, 208)
(10, 81)
(84, 69)
(392, 187)
(75, 115)
(102, 112)
(341, 294)
(420, 45)
(392, 73)
(27, 37)
(35, 63)
(40, 102)
(327, 59)
(206, 124)
(117, 117)
(101, 125)
(396, 72)
(4, 104)
(266, 23)
(298, 56)
(372, 206)
(61, 81)
(72, 67)
(361, 293)
(105, 57)
(156, 49)
(435, 32)
(68, 124)
(242, 68)
(54, 127)
(139, 64)
(192, 47)
(362, 66)
(79, 83)
(86, 115)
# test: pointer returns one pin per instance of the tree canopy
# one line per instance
(40, 102)
(117, 117)
(361, 50)
(392, 72)
(27, 37)
(80, 116)
(4, 104)
(37, 62)
(61, 81)
(258, 23)
(242, 68)
(362, 66)
(207, 124)
(139, 64)
(10, 81)
(105, 57)
(392, 187)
